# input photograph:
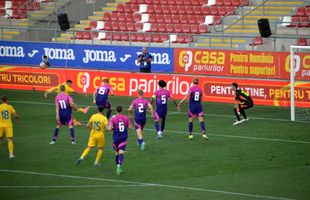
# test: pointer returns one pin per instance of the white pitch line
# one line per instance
(68, 186)
(208, 114)
(239, 137)
(147, 184)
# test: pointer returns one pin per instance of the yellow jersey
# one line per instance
(68, 89)
(99, 122)
(6, 111)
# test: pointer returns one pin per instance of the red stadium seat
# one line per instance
(164, 37)
(36, 6)
(219, 2)
(178, 28)
(214, 10)
(195, 2)
(154, 28)
(222, 10)
(160, 18)
(79, 36)
(197, 10)
(182, 10)
(124, 36)
(302, 42)
(87, 35)
(120, 7)
(158, 8)
(244, 2)
(123, 26)
(217, 20)
(227, 2)
(155, 2)
(192, 19)
(116, 36)
(114, 17)
(294, 22)
(235, 2)
(174, 9)
(180, 39)
(121, 17)
(166, 9)
(115, 26)
(200, 19)
(230, 10)
(187, 2)
(304, 21)
(188, 39)
(186, 28)
(152, 18)
(190, 10)
(131, 26)
(156, 38)
(137, 17)
(194, 28)
(301, 11)
(168, 18)
(148, 2)
(170, 28)
(205, 10)
(162, 28)
(171, 2)
(183, 19)
(127, 8)
(179, 2)
(129, 17)
(150, 9)
(135, 7)
(176, 19)
(203, 28)
(140, 37)
(106, 17)
(163, 2)
(308, 11)
(92, 25)
(203, 2)
(257, 41)
(107, 26)
(138, 26)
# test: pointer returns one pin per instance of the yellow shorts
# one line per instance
(97, 139)
(7, 131)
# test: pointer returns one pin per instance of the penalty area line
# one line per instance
(147, 184)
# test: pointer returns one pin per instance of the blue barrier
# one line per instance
(121, 58)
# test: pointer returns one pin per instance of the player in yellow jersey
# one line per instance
(68, 90)
(6, 126)
(97, 123)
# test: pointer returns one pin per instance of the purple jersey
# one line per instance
(140, 106)
(63, 102)
(162, 96)
(120, 124)
(103, 93)
(195, 95)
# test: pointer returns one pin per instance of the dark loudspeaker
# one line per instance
(63, 21)
(264, 28)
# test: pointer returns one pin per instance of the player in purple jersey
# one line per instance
(161, 97)
(119, 123)
(140, 105)
(100, 96)
(195, 108)
(64, 105)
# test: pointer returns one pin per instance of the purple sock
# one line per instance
(109, 113)
(157, 126)
(163, 123)
(190, 127)
(120, 159)
(116, 159)
(203, 127)
(72, 134)
(55, 134)
(140, 141)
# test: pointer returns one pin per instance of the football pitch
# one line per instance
(264, 158)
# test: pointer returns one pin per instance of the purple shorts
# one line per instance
(105, 104)
(139, 123)
(65, 120)
(119, 143)
(195, 111)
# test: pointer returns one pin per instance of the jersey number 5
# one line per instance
(5, 114)
(163, 99)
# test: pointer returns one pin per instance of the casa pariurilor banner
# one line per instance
(263, 92)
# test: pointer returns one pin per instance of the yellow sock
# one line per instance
(85, 152)
(99, 154)
(80, 109)
(11, 147)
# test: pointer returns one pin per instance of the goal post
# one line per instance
(299, 59)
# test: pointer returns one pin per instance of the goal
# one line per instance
(300, 83)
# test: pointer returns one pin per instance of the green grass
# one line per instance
(238, 162)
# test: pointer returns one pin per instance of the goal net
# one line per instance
(300, 83)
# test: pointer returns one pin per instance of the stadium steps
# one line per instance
(274, 11)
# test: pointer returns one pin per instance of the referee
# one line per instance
(145, 60)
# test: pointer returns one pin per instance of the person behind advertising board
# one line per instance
(44, 64)
(243, 101)
(6, 126)
(195, 109)
(144, 60)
